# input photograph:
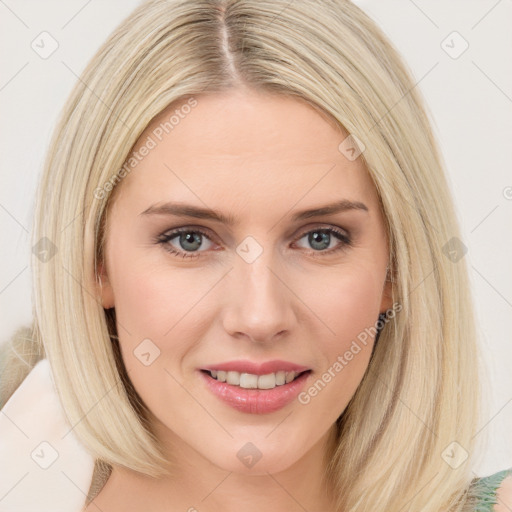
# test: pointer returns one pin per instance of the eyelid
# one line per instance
(322, 226)
(180, 229)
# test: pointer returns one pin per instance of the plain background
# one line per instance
(470, 101)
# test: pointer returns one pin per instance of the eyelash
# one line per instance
(167, 236)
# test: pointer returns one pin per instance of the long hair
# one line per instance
(419, 401)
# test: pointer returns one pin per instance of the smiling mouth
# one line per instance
(252, 381)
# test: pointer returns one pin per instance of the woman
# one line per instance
(251, 296)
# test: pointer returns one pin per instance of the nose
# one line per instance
(259, 303)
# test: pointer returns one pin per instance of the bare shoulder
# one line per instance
(504, 496)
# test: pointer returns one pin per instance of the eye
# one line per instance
(321, 238)
(190, 239)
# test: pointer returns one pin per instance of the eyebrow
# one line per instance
(187, 210)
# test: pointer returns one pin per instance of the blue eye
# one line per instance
(191, 239)
(321, 239)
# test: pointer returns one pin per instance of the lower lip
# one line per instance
(256, 401)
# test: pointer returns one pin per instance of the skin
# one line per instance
(260, 158)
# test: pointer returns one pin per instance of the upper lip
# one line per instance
(264, 368)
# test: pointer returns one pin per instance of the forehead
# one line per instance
(248, 144)
(243, 121)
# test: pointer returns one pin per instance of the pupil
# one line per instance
(190, 237)
(324, 239)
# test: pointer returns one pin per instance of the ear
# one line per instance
(387, 299)
(104, 288)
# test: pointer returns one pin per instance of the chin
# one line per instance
(257, 467)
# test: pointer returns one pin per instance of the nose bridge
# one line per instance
(259, 303)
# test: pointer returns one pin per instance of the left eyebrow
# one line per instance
(188, 210)
(330, 209)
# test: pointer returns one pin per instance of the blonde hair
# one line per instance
(421, 391)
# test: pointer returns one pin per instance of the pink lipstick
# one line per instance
(256, 388)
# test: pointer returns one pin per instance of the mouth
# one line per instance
(253, 381)
(255, 394)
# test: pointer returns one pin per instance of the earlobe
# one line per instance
(387, 297)
(104, 288)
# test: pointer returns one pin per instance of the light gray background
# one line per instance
(469, 97)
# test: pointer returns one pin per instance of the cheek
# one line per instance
(163, 305)
(348, 305)
(349, 308)
(154, 311)
(151, 298)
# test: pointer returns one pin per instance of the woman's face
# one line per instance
(252, 277)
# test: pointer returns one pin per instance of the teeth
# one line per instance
(247, 380)
(251, 381)
(233, 378)
(280, 378)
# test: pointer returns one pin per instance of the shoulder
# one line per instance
(18, 355)
(494, 492)
(504, 495)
